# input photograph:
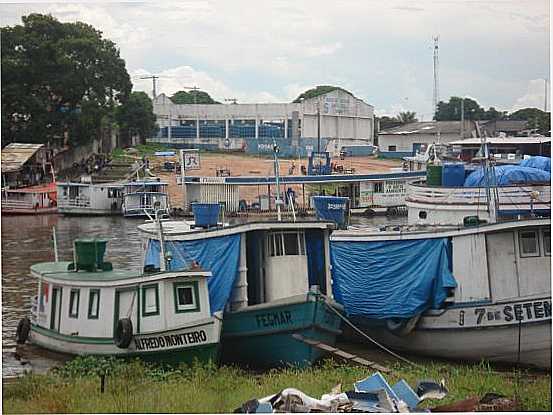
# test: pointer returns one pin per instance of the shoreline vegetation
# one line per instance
(135, 386)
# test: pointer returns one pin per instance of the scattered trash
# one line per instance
(491, 402)
(372, 394)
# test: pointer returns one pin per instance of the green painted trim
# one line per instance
(194, 285)
(72, 301)
(97, 312)
(73, 339)
(144, 288)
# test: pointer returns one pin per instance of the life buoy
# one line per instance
(226, 143)
(402, 326)
(123, 333)
(23, 329)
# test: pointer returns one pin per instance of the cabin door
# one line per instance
(56, 309)
(126, 306)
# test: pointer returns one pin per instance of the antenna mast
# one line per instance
(436, 92)
(153, 78)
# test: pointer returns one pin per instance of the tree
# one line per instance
(406, 117)
(493, 114)
(386, 122)
(194, 96)
(58, 78)
(451, 111)
(537, 119)
(136, 117)
(318, 90)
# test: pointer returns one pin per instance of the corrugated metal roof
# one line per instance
(426, 127)
(15, 155)
(503, 140)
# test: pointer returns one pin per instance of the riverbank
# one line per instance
(133, 387)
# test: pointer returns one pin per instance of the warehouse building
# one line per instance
(341, 117)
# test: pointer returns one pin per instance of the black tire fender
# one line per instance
(123, 333)
(402, 326)
(23, 330)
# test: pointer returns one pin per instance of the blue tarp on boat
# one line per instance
(390, 279)
(219, 255)
(508, 175)
(537, 162)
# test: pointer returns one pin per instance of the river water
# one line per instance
(28, 239)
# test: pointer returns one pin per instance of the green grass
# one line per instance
(136, 387)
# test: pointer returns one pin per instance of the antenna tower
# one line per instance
(436, 93)
(153, 78)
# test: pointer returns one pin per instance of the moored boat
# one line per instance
(89, 198)
(31, 200)
(87, 308)
(466, 294)
(144, 197)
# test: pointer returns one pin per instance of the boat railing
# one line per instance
(142, 206)
(74, 202)
(18, 204)
(477, 195)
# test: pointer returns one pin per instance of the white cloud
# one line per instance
(534, 96)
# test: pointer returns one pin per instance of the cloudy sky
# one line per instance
(495, 51)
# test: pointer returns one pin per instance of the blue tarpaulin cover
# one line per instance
(219, 255)
(331, 208)
(537, 162)
(390, 279)
(508, 175)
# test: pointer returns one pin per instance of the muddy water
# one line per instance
(28, 239)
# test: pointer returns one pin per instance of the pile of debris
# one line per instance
(373, 394)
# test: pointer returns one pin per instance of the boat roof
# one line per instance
(15, 155)
(41, 188)
(59, 271)
(406, 232)
(502, 140)
(184, 230)
(108, 184)
(144, 183)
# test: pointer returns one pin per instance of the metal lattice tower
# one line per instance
(436, 92)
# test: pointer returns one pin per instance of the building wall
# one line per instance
(405, 144)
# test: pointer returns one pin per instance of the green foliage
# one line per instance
(451, 111)
(386, 122)
(194, 96)
(537, 119)
(406, 117)
(136, 117)
(137, 387)
(56, 78)
(318, 90)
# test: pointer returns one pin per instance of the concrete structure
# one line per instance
(252, 127)
(407, 139)
(495, 128)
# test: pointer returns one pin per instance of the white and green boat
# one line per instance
(85, 307)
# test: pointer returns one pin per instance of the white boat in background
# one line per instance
(90, 199)
(144, 197)
(499, 311)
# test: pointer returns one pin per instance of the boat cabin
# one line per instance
(81, 305)
(30, 200)
(144, 197)
(90, 199)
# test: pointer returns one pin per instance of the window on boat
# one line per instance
(275, 245)
(93, 303)
(422, 214)
(186, 297)
(379, 187)
(547, 242)
(150, 300)
(113, 193)
(291, 244)
(528, 243)
(74, 295)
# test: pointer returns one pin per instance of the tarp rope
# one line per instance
(365, 335)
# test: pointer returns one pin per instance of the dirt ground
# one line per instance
(246, 165)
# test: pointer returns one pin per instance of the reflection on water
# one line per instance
(28, 239)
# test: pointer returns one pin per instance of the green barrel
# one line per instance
(434, 175)
(90, 253)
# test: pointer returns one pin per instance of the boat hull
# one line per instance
(262, 336)
(23, 211)
(200, 341)
(479, 332)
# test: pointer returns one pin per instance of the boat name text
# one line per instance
(532, 310)
(281, 318)
(170, 340)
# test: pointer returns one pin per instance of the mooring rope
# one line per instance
(362, 333)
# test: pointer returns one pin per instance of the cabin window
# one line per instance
(286, 243)
(74, 295)
(187, 298)
(379, 187)
(275, 245)
(528, 243)
(291, 244)
(547, 242)
(93, 303)
(422, 214)
(150, 300)
(113, 193)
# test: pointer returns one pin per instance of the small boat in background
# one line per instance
(31, 200)
(90, 198)
(144, 197)
(87, 308)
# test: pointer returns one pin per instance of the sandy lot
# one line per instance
(245, 165)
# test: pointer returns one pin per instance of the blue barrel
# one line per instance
(332, 208)
(205, 214)
(453, 175)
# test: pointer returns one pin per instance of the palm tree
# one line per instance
(406, 117)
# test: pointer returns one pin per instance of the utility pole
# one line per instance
(545, 97)
(153, 78)
(436, 91)
(462, 118)
(318, 125)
